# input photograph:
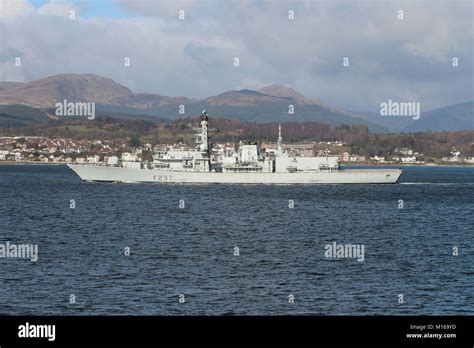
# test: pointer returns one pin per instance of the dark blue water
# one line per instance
(190, 251)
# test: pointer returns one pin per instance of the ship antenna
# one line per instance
(280, 140)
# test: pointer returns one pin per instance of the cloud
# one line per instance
(163, 9)
(389, 58)
(12, 9)
(57, 8)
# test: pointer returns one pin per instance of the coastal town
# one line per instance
(35, 149)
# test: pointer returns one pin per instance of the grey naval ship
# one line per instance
(245, 165)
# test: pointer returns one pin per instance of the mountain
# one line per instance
(393, 124)
(450, 118)
(4, 85)
(244, 97)
(282, 91)
(257, 107)
(269, 104)
(274, 106)
(46, 92)
(147, 101)
(34, 102)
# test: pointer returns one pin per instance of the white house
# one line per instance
(3, 155)
(408, 159)
(378, 159)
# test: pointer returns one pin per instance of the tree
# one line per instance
(134, 142)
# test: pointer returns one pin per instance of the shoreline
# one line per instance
(410, 165)
(342, 165)
(30, 162)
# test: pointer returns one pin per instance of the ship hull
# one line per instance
(348, 176)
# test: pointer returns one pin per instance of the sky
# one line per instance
(402, 59)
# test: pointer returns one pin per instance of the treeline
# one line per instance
(431, 144)
(99, 128)
(357, 137)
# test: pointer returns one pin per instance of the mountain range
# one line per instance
(450, 118)
(34, 102)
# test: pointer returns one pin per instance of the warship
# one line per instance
(245, 165)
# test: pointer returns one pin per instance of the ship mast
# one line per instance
(203, 140)
(280, 140)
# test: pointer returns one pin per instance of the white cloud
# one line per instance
(58, 8)
(164, 9)
(389, 58)
(12, 9)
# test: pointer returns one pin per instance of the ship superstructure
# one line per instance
(197, 160)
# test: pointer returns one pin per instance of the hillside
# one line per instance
(4, 85)
(268, 104)
(12, 116)
(111, 97)
(450, 118)
(46, 92)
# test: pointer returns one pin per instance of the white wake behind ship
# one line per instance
(247, 165)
